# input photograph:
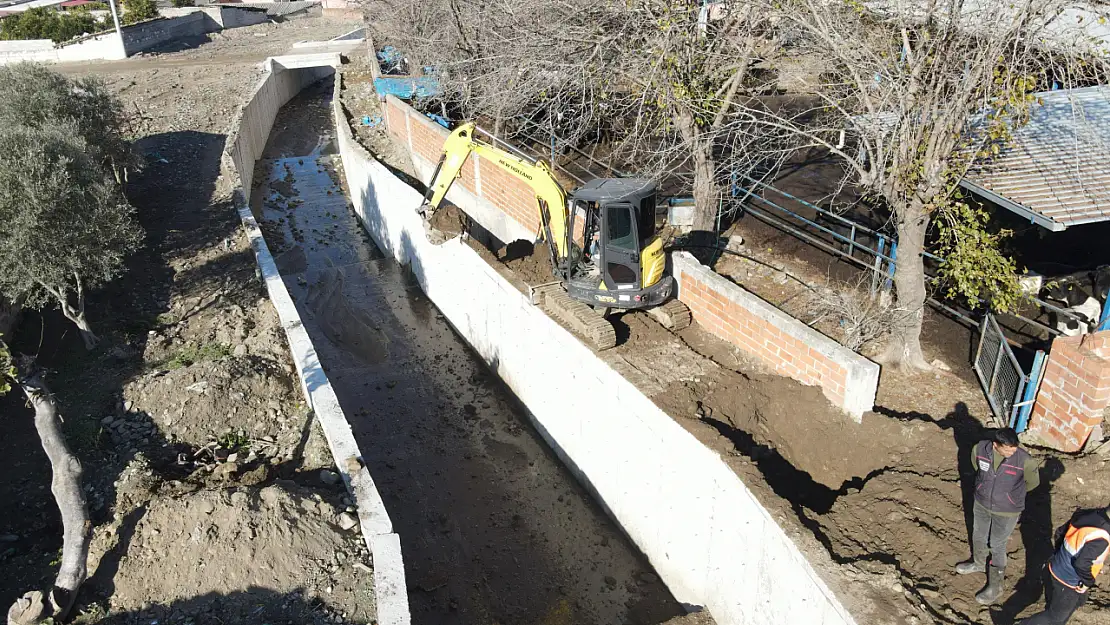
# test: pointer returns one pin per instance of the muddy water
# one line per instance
(493, 528)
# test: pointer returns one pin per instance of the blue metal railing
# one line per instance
(883, 257)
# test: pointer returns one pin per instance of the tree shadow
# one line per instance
(254, 606)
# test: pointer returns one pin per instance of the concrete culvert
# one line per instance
(493, 528)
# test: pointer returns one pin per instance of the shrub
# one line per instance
(46, 23)
(139, 10)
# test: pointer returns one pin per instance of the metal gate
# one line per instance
(998, 371)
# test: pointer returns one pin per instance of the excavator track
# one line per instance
(672, 315)
(577, 316)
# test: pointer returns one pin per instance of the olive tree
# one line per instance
(914, 94)
(35, 96)
(34, 606)
(64, 224)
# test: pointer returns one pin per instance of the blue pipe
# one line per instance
(1021, 421)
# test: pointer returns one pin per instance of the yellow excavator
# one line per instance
(618, 263)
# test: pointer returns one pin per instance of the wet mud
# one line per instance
(493, 528)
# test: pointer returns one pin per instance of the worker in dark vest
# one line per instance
(1072, 570)
(1005, 472)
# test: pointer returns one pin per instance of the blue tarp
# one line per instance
(407, 87)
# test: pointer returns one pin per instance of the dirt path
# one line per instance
(493, 528)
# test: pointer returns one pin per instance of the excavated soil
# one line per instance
(529, 262)
(233, 552)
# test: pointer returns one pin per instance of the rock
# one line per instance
(346, 521)
(255, 476)
(238, 498)
(240, 350)
(940, 365)
(225, 470)
(270, 495)
(331, 478)
(1094, 441)
(107, 420)
(610, 581)
(8, 538)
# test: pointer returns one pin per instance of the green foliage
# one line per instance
(47, 23)
(234, 441)
(64, 223)
(139, 11)
(975, 267)
(183, 3)
(192, 355)
(7, 369)
(34, 96)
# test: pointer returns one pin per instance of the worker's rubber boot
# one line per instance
(977, 563)
(993, 591)
(971, 566)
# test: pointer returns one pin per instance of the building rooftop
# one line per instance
(1057, 172)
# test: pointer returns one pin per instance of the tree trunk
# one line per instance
(77, 314)
(705, 183)
(91, 339)
(66, 486)
(904, 348)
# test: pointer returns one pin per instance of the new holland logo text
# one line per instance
(513, 168)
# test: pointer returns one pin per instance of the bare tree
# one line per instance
(34, 606)
(914, 93)
(654, 81)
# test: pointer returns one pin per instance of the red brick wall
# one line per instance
(779, 341)
(1074, 392)
(504, 191)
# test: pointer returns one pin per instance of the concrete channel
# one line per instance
(494, 529)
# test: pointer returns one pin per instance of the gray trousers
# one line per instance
(991, 531)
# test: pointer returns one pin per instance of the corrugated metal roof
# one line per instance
(277, 9)
(1057, 172)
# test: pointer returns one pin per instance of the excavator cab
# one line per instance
(621, 264)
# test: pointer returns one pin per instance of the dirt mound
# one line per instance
(449, 220)
(211, 397)
(239, 556)
(530, 262)
(694, 618)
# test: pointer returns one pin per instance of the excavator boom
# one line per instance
(550, 197)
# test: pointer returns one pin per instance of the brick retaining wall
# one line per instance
(776, 339)
(1075, 391)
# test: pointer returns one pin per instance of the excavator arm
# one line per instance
(551, 199)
